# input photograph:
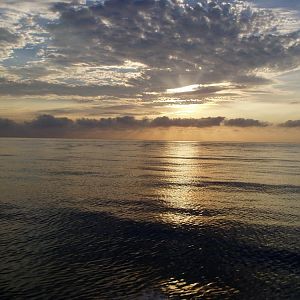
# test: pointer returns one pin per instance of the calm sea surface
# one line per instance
(91, 219)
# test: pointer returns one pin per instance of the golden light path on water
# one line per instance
(167, 220)
(185, 208)
(179, 197)
(186, 202)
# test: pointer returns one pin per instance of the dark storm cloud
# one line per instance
(180, 43)
(240, 122)
(291, 123)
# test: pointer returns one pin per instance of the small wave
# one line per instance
(245, 186)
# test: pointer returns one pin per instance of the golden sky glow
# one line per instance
(184, 59)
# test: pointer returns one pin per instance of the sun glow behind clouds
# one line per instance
(195, 87)
(79, 58)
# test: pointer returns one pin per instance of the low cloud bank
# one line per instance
(48, 125)
(291, 124)
(240, 122)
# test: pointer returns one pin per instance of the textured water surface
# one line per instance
(90, 219)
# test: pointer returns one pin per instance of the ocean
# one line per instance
(94, 219)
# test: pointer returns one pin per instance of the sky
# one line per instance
(151, 69)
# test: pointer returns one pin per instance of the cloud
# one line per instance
(144, 51)
(112, 123)
(181, 43)
(48, 121)
(8, 41)
(36, 87)
(7, 37)
(7, 124)
(291, 123)
(291, 4)
(48, 125)
(185, 122)
(131, 122)
(240, 122)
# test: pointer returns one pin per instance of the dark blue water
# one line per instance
(90, 219)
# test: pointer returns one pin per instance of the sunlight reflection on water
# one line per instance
(149, 220)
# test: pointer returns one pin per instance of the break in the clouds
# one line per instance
(154, 56)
